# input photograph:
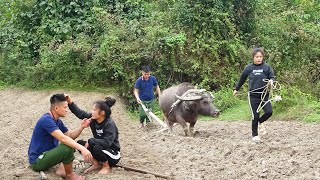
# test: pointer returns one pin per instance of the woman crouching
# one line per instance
(104, 145)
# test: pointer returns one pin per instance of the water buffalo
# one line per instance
(183, 103)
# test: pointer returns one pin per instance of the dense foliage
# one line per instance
(208, 42)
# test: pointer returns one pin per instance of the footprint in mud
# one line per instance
(201, 134)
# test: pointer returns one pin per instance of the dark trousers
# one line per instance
(102, 154)
(255, 100)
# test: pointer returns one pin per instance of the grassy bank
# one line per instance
(305, 111)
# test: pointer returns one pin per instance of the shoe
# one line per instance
(256, 139)
(262, 129)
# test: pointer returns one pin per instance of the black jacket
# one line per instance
(256, 73)
(105, 133)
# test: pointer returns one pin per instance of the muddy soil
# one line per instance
(220, 150)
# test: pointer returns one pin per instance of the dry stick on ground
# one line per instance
(137, 170)
(142, 171)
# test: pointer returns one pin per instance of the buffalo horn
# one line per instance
(189, 98)
(192, 91)
(211, 95)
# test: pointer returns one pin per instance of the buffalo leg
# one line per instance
(191, 128)
(169, 123)
(183, 123)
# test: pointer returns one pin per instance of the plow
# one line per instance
(151, 116)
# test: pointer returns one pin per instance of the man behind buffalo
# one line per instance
(143, 91)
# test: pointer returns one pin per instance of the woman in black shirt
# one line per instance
(104, 145)
(260, 75)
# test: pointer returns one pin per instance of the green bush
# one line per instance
(224, 99)
(207, 43)
(61, 63)
(291, 96)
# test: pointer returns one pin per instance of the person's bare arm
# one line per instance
(66, 140)
(158, 90)
(136, 94)
(74, 134)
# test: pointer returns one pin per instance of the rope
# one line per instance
(174, 105)
(269, 87)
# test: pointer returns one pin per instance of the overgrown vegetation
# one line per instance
(103, 43)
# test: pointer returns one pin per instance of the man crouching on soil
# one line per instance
(45, 150)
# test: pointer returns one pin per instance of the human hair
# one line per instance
(106, 105)
(256, 50)
(57, 98)
(146, 69)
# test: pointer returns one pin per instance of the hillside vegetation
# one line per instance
(103, 43)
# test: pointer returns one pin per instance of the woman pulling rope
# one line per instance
(261, 81)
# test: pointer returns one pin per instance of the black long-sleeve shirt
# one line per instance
(256, 73)
(105, 133)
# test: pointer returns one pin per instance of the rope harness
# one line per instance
(174, 105)
(267, 89)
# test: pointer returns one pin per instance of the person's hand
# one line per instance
(86, 122)
(235, 92)
(86, 145)
(69, 100)
(270, 82)
(87, 156)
